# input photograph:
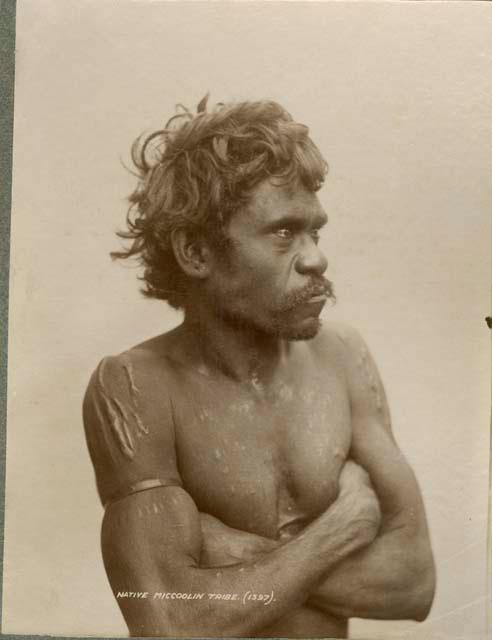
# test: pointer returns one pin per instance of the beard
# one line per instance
(283, 321)
(283, 325)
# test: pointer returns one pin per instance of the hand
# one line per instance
(358, 497)
(353, 478)
(223, 546)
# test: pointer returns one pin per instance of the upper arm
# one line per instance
(373, 443)
(368, 402)
(149, 537)
(129, 426)
(374, 447)
(149, 541)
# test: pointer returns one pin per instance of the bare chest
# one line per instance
(264, 463)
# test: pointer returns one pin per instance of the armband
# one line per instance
(143, 485)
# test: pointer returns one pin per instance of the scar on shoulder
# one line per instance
(119, 414)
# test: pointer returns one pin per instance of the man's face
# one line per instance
(272, 277)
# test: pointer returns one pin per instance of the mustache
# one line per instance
(316, 287)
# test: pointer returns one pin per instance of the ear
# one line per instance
(191, 252)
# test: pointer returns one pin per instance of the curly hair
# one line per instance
(200, 169)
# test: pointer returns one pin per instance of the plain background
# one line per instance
(399, 99)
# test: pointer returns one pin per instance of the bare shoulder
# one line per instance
(128, 419)
(343, 345)
(339, 341)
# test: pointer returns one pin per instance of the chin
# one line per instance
(306, 331)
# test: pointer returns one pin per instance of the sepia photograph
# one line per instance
(248, 358)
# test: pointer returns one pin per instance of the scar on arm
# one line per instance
(134, 393)
(134, 390)
(117, 417)
(118, 414)
(371, 379)
(373, 384)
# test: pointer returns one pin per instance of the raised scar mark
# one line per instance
(134, 392)
(118, 427)
(371, 379)
(102, 420)
(117, 417)
(131, 382)
(100, 374)
(140, 425)
(341, 337)
(124, 423)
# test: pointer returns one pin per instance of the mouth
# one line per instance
(315, 295)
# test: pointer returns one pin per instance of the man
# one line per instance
(251, 480)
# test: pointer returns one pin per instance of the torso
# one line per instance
(263, 459)
(267, 460)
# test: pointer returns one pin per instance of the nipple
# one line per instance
(338, 453)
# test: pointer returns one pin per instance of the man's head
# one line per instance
(200, 173)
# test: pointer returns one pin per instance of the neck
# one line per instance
(245, 354)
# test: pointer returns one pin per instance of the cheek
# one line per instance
(260, 275)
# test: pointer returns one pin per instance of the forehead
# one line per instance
(270, 202)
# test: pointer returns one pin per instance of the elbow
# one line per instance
(413, 580)
(422, 585)
(423, 596)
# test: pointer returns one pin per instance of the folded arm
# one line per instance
(152, 543)
(152, 540)
(393, 578)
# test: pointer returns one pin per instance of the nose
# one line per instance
(311, 260)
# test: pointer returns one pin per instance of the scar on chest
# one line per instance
(122, 415)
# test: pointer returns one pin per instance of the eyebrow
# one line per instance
(318, 220)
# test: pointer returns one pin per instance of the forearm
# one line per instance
(290, 572)
(286, 574)
(393, 578)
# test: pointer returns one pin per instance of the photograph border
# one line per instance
(7, 84)
(7, 78)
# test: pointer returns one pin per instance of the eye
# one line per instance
(284, 233)
(315, 235)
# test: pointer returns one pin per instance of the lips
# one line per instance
(316, 292)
